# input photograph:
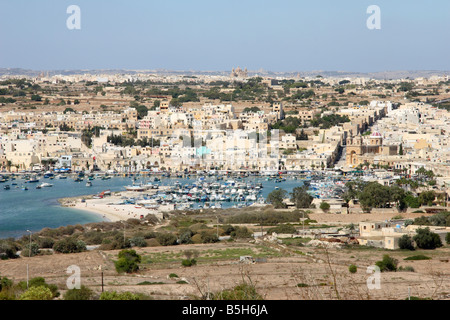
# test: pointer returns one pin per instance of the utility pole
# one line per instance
(29, 255)
(217, 226)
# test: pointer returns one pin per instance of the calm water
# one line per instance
(36, 209)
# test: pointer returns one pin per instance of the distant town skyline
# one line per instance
(281, 36)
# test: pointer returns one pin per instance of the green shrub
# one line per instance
(150, 235)
(268, 217)
(69, 245)
(387, 264)
(241, 233)
(447, 238)
(244, 291)
(37, 293)
(406, 268)
(34, 250)
(302, 285)
(186, 237)
(209, 237)
(113, 295)
(325, 206)
(8, 250)
(138, 242)
(167, 239)
(173, 275)
(39, 282)
(228, 229)
(283, 228)
(128, 261)
(418, 257)
(84, 293)
(352, 268)
(188, 262)
(46, 243)
(6, 289)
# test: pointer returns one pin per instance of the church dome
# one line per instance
(376, 135)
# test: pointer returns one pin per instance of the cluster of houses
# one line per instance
(205, 137)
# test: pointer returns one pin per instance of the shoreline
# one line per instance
(107, 207)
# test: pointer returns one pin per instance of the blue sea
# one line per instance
(36, 209)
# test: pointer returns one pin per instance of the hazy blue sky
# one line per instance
(282, 35)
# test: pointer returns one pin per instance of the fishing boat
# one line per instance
(33, 179)
(24, 188)
(7, 187)
(48, 174)
(88, 184)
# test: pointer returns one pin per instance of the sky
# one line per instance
(217, 35)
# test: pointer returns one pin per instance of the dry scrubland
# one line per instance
(284, 271)
(218, 268)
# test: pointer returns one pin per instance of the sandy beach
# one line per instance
(108, 207)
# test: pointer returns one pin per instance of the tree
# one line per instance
(128, 261)
(142, 111)
(36, 97)
(405, 242)
(374, 195)
(302, 136)
(276, 198)
(37, 293)
(400, 149)
(68, 110)
(427, 198)
(352, 268)
(398, 195)
(425, 239)
(447, 238)
(301, 197)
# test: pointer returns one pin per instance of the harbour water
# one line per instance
(35, 209)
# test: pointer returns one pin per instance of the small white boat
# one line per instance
(88, 184)
(46, 185)
(135, 188)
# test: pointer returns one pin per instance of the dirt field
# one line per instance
(277, 278)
